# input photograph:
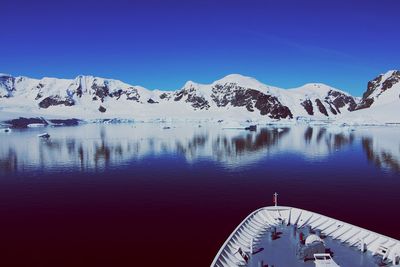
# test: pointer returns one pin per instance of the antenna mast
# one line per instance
(275, 199)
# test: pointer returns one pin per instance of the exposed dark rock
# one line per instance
(132, 94)
(178, 96)
(117, 93)
(133, 98)
(331, 108)
(24, 122)
(239, 96)
(339, 100)
(151, 101)
(365, 103)
(372, 85)
(222, 95)
(55, 101)
(392, 80)
(8, 83)
(197, 101)
(335, 101)
(38, 96)
(102, 109)
(367, 100)
(249, 108)
(79, 91)
(321, 107)
(270, 105)
(252, 128)
(100, 90)
(66, 122)
(307, 104)
(165, 96)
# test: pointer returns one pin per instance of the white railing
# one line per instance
(256, 223)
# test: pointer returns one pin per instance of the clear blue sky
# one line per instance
(161, 43)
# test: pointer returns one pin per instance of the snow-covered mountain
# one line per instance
(232, 97)
(380, 91)
(380, 103)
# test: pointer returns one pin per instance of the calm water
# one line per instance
(141, 195)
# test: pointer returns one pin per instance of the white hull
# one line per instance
(252, 228)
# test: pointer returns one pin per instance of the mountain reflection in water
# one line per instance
(94, 147)
(166, 194)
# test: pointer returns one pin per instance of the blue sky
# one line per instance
(162, 44)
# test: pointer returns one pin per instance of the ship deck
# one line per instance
(282, 251)
(270, 236)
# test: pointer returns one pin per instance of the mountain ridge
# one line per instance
(231, 96)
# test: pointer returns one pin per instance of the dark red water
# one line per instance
(163, 211)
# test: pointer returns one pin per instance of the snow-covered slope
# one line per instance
(319, 99)
(234, 97)
(383, 90)
(380, 102)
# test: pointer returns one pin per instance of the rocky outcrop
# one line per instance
(191, 95)
(102, 109)
(366, 101)
(321, 107)
(7, 83)
(24, 122)
(55, 101)
(389, 82)
(165, 96)
(65, 122)
(238, 96)
(132, 94)
(307, 104)
(330, 104)
(101, 91)
(377, 86)
(151, 101)
(339, 100)
(79, 91)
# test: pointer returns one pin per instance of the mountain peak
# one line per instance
(384, 76)
(390, 72)
(317, 88)
(83, 77)
(384, 87)
(189, 84)
(236, 78)
(243, 81)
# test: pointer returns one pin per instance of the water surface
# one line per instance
(169, 195)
